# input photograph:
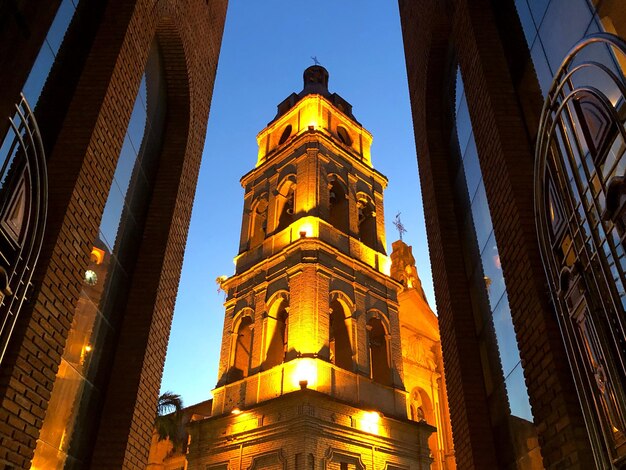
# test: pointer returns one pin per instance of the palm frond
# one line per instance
(168, 421)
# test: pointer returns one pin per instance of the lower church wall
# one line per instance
(307, 430)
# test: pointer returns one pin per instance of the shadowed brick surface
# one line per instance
(101, 82)
(432, 39)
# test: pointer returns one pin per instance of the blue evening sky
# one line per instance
(265, 48)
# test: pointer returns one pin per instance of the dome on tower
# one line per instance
(315, 81)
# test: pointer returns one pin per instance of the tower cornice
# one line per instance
(314, 138)
(314, 112)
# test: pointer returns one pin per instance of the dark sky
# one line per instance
(266, 47)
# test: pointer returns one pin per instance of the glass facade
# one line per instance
(40, 70)
(47, 54)
(490, 297)
(553, 27)
(580, 206)
(76, 394)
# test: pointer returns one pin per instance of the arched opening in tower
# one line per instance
(422, 410)
(277, 332)
(340, 347)
(243, 349)
(258, 224)
(367, 222)
(338, 206)
(286, 199)
(379, 357)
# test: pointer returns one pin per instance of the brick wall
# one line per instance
(433, 39)
(82, 155)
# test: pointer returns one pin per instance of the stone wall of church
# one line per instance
(308, 431)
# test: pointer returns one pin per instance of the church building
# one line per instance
(318, 352)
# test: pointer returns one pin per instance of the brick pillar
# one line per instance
(428, 56)
(83, 115)
(506, 156)
(309, 311)
(128, 415)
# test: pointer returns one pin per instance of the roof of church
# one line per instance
(315, 80)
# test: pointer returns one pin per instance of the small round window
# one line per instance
(343, 135)
(285, 135)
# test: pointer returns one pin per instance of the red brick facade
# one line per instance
(83, 115)
(468, 33)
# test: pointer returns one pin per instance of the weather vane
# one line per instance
(398, 223)
(315, 61)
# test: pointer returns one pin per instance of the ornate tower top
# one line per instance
(315, 81)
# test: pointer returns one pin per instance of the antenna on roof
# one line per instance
(315, 61)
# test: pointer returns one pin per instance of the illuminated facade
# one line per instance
(422, 360)
(311, 367)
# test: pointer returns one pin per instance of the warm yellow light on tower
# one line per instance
(305, 230)
(370, 421)
(305, 374)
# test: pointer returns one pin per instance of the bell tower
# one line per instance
(311, 361)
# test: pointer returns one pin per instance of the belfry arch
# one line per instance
(340, 334)
(285, 202)
(338, 205)
(276, 330)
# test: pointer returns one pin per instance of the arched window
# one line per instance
(286, 203)
(343, 135)
(340, 347)
(422, 410)
(285, 135)
(379, 357)
(338, 205)
(277, 329)
(106, 277)
(367, 221)
(243, 349)
(258, 222)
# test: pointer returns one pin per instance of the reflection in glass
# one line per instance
(43, 63)
(481, 215)
(77, 383)
(487, 280)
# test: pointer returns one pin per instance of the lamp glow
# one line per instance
(370, 421)
(236, 411)
(305, 374)
(305, 230)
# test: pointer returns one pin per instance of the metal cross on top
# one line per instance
(398, 223)
(315, 61)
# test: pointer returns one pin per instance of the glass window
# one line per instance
(77, 386)
(472, 167)
(564, 24)
(518, 397)
(492, 303)
(494, 280)
(526, 18)
(463, 125)
(43, 63)
(481, 216)
(538, 9)
(505, 334)
(544, 73)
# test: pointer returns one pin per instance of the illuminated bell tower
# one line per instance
(311, 361)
